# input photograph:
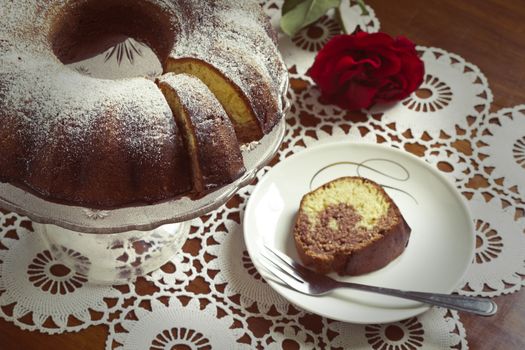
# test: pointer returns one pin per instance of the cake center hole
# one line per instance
(113, 39)
(125, 58)
(60, 270)
(423, 93)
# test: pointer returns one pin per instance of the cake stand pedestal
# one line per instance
(111, 246)
(114, 257)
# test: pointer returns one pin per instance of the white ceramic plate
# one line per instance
(441, 245)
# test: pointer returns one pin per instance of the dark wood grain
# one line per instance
(488, 33)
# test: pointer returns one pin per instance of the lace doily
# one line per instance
(425, 332)
(499, 262)
(454, 94)
(236, 271)
(210, 294)
(502, 146)
(39, 293)
(180, 270)
(162, 321)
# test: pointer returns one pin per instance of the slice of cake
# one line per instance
(207, 131)
(349, 225)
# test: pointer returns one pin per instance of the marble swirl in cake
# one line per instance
(349, 225)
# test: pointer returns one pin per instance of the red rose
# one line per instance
(356, 71)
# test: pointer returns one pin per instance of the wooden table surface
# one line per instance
(488, 33)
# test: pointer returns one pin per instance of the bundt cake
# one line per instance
(349, 225)
(99, 143)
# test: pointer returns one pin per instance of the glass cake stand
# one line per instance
(115, 245)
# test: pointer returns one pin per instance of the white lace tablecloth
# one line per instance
(211, 294)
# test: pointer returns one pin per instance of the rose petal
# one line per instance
(403, 43)
(354, 71)
(372, 41)
(345, 77)
(413, 70)
(393, 90)
(373, 61)
(389, 64)
(344, 64)
(356, 96)
(339, 45)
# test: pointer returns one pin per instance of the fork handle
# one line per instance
(479, 306)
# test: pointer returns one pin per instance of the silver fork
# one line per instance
(309, 282)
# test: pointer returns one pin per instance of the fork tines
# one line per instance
(279, 266)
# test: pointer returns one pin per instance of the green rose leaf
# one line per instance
(289, 5)
(304, 13)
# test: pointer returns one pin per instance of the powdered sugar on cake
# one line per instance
(33, 78)
(43, 96)
(103, 142)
